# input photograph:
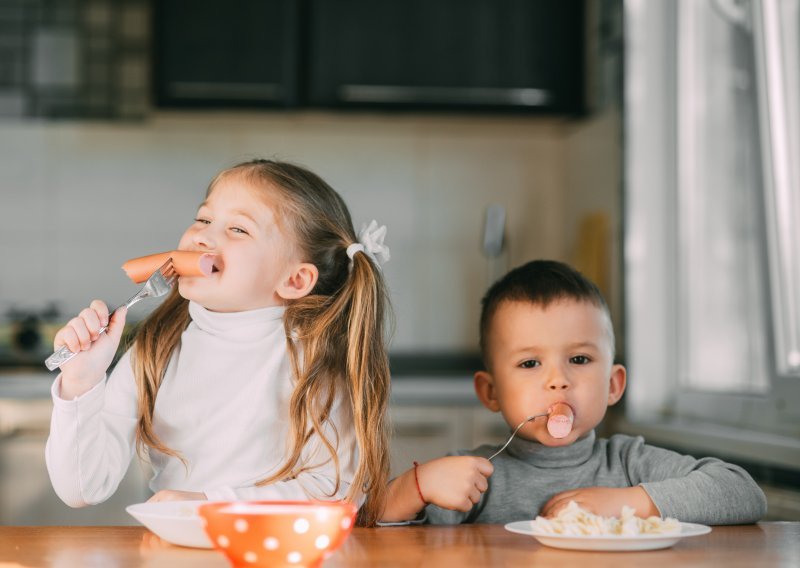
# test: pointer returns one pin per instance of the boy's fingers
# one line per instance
(485, 467)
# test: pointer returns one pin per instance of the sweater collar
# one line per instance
(253, 324)
(544, 456)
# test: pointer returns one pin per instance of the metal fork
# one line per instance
(514, 433)
(159, 283)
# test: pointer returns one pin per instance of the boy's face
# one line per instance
(540, 356)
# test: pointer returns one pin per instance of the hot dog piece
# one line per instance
(559, 420)
(186, 263)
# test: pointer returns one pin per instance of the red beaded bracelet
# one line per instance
(416, 480)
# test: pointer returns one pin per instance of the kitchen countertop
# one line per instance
(433, 389)
(765, 545)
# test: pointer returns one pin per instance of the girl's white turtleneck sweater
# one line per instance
(223, 405)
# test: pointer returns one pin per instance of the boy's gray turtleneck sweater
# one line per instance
(528, 474)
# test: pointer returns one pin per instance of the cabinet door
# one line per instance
(237, 53)
(519, 54)
(422, 433)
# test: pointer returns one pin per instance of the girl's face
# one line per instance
(541, 356)
(253, 255)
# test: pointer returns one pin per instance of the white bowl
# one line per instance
(174, 521)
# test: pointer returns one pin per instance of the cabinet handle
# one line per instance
(420, 430)
(248, 91)
(443, 95)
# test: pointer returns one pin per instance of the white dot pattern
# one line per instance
(322, 542)
(250, 557)
(223, 541)
(294, 557)
(301, 526)
(346, 523)
(271, 543)
(240, 525)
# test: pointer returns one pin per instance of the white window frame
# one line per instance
(754, 426)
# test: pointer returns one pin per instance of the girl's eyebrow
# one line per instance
(240, 212)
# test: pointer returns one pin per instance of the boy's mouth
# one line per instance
(559, 420)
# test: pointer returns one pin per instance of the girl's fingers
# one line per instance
(92, 321)
(81, 332)
(481, 484)
(66, 336)
(99, 306)
(117, 323)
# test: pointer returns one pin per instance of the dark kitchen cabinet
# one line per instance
(443, 54)
(233, 53)
(491, 54)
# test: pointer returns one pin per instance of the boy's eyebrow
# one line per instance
(576, 345)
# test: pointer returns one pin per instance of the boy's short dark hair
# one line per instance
(539, 282)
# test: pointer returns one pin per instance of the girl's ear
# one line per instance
(486, 391)
(616, 384)
(299, 283)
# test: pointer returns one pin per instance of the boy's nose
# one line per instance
(557, 380)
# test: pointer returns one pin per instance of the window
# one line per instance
(712, 245)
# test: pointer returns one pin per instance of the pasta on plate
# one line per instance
(575, 521)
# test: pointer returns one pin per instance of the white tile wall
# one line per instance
(76, 198)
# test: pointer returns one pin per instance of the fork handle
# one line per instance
(63, 354)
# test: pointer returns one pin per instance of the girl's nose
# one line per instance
(203, 238)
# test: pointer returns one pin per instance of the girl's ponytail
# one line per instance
(335, 335)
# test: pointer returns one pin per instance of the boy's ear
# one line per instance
(486, 391)
(299, 283)
(616, 384)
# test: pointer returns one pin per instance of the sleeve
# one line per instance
(319, 479)
(91, 441)
(707, 490)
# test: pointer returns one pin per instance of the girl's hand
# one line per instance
(454, 482)
(604, 501)
(95, 351)
(171, 495)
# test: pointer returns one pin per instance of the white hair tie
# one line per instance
(370, 242)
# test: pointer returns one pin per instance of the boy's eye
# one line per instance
(580, 360)
(529, 364)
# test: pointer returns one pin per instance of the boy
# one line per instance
(547, 340)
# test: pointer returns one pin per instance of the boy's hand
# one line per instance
(95, 350)
(454, 482)
(604, 501)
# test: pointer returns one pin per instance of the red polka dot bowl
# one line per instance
(278, 533)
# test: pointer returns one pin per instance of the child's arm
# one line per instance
(92, 437)
(453, 482)
(707, 490)
(604, 501)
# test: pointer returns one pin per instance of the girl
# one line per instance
(268, 379)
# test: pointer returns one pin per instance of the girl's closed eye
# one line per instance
(202, 220)
(239, 230)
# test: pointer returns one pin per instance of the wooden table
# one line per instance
(761, 545)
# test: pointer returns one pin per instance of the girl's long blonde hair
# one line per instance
(339, 327)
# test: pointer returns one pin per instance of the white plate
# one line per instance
(609, 542)
(174, 521)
